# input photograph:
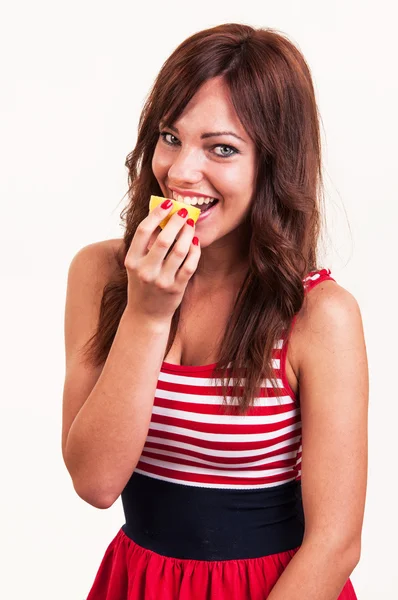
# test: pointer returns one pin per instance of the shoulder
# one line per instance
(99, 259)
(329, 322)
(328, 306)
(91, 269)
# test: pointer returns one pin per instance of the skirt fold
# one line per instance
(131, 572)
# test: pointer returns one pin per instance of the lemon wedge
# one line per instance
(193, 212)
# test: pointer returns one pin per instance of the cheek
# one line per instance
(238, 181)
(159, 164)
(244, 181)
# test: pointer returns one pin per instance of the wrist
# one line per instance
(139, 319)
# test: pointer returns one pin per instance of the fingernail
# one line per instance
(166, 204)
(190, 222)
(183, 212)
(195, 240)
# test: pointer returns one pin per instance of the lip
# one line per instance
(191, 193)
(207, 213)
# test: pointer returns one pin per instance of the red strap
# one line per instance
(310, 281)
(315, 277)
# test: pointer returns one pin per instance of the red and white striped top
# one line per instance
(191, 441)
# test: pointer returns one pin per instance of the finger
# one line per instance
(179, 252)
(153, 237)
(145, 230)
(190, 265)
(165, 240)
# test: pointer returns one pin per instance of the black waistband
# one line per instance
(198, 523)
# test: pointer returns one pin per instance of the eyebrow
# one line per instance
(204, 136)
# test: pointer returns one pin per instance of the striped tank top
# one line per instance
(201, 462)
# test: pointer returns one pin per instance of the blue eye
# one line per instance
(233, 151)
(163, 135)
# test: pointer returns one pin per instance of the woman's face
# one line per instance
(197, 156)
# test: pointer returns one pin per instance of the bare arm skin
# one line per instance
(333, 379)
(107, 410)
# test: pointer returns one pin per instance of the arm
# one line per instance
(333, 376)
(106, 410)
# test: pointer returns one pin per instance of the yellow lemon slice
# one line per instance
(193, 212)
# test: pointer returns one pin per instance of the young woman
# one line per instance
(216, 374)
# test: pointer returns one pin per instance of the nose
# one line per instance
(186, 169)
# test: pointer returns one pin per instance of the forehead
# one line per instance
(211, 107)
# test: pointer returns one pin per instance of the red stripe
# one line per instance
(237, 446)
(221, 459)
(196, 477)
(279, 464)
(218, 409)
(223, 428)
(216, 390)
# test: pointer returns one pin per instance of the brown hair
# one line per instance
(273, 95)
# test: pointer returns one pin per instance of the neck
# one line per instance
(224, 261)
(211, 279)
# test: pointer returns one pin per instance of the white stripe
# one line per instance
(224, 486)
(224, 419)
(263, 461)
(178, 379)
(312, 277)
(225, 437)
(218, 399)
(204, 471)
(222, 453)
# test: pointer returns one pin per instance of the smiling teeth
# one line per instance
(195, 200)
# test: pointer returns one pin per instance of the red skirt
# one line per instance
(130, 572)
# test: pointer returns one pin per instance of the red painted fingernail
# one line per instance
(183, 212)
(190, 222)
(195, 241)
(166, 204)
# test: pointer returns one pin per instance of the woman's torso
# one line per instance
(200, 470)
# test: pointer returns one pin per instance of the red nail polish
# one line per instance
(166, 204)
(190, 222)
(183, 212)
(195, 241)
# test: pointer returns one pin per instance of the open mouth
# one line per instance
(205, 207)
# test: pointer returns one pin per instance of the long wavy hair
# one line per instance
(272, 92)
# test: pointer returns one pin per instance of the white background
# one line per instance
(74, 76)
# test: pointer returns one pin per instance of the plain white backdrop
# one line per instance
(74, 76)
